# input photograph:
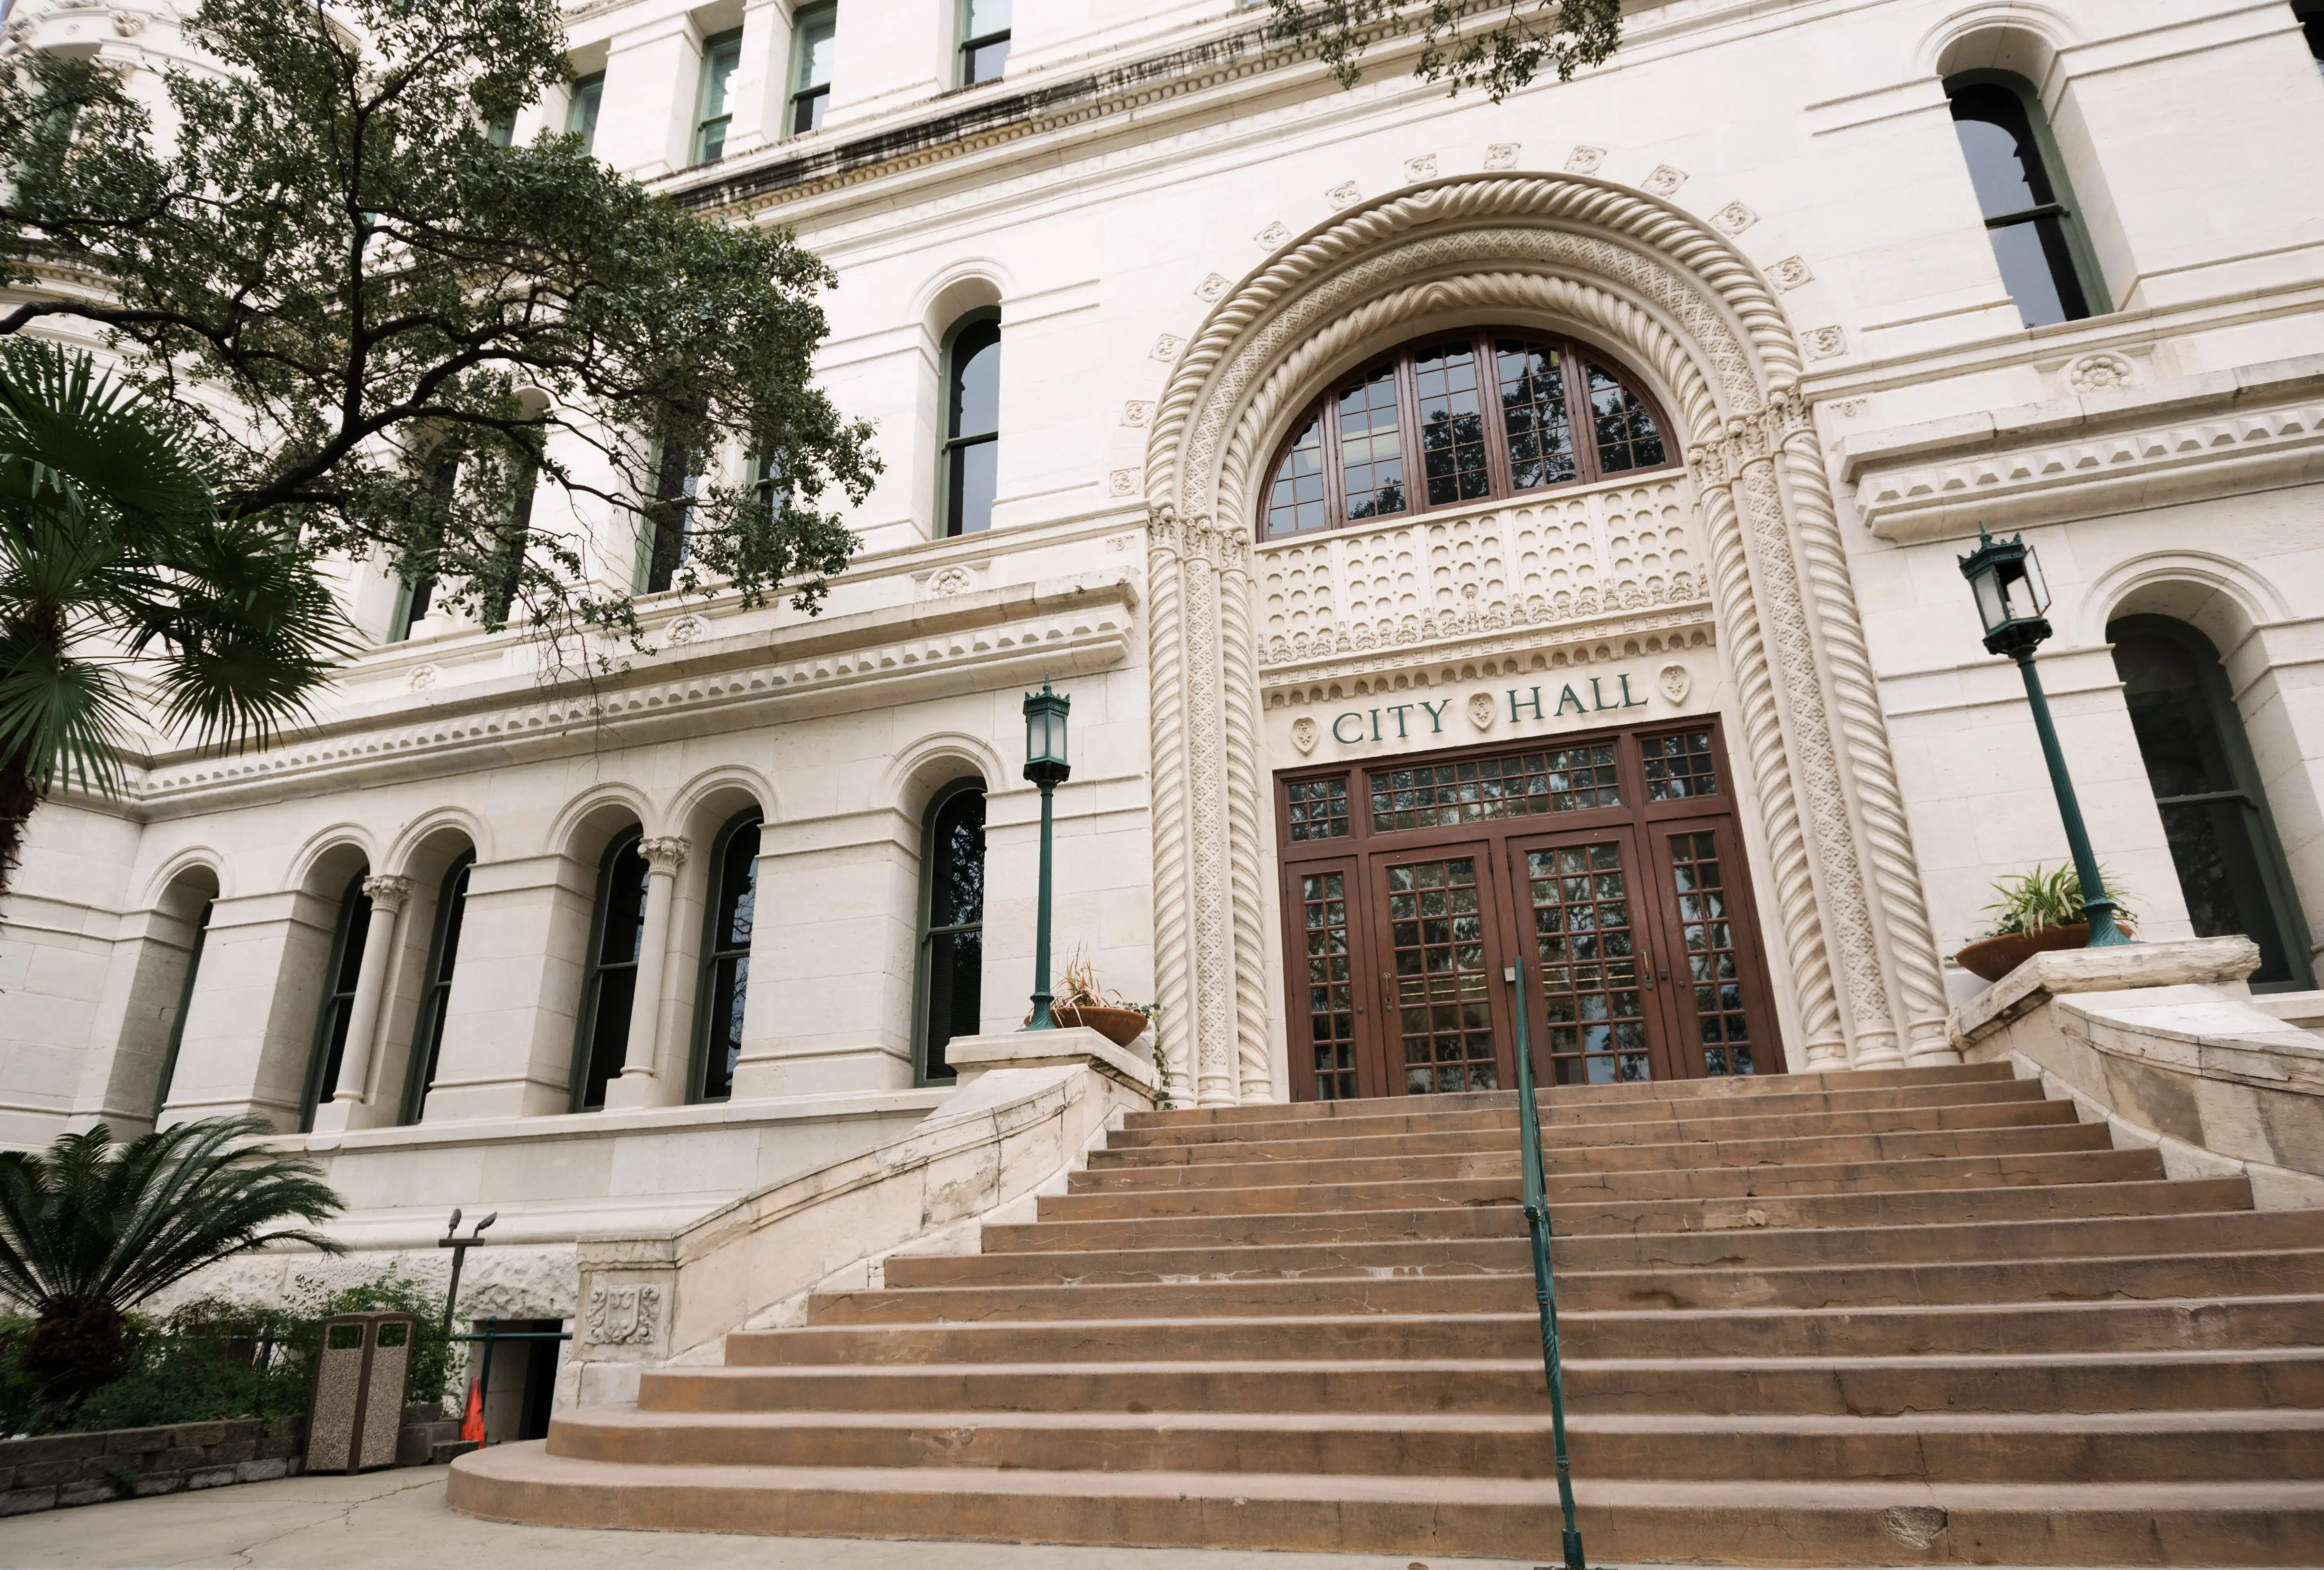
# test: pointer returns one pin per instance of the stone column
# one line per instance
(638, 1085)
(387, 895)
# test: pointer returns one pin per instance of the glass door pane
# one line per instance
(1710, 997)
(1441, 949)
(1586, 945)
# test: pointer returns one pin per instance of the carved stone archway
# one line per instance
(1655, 283)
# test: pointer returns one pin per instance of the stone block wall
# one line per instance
(57, 1470)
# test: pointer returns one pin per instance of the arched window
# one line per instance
(338, 999)
(436, 993)
(609, 982)
(728, 908)
(952, 924)
(1457, 418)
(2030, 213)
(972, 449)
(2206, 785)
(185, 999)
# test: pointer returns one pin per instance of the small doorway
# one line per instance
(1606, 867)
(2207, 785)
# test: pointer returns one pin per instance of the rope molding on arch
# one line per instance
(1661, 287)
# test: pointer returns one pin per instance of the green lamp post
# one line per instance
(1046, 765)
(2011, 598)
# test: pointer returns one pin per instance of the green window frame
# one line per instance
(2032, 219)
(951, 947)
(983, 41)
(722, 57)
(968, 470)
(337, 1011)
(814, 34)
(435, 990)
(581, 110)
(721, 985)
(609, 974)
(185, 1001)
(2208, 789)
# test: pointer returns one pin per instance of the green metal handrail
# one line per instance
(1544, 1282)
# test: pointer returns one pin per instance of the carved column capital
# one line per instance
(387, 892)
(665, 853)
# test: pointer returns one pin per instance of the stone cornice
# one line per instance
(875, 658)
(2254, 427)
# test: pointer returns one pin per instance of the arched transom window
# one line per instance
(1457, 418)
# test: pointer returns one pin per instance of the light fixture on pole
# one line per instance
(2005, 576)
(1046, 765)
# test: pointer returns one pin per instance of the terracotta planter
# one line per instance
(1118, 1026)
(1995, 957)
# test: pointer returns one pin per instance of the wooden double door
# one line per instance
(1605, 867)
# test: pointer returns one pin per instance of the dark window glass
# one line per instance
(813, 45)
(581, 115)
(1583, 937)
(508, 562)
(1532, 414)
(1371, 448)
(2214, 815)
(726, 962)
(972, 429)
(720, 58)
(669, 516)
(1318, 807)
(1441, 990)
(2312, 24)
(984, 41)
(610, 986)
(185, 1001)
(2024, 215)
(1713, 983)
(1679, 767)
(1576, 779)
(339, 998)
(953, 956)
(436, 996)
(1296, 500)
(1330, 989)
(1451, 422)
(1346, 459)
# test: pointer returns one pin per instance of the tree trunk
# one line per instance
(18, 796)
(75, 1347)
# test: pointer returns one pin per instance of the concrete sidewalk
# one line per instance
(398, 1520)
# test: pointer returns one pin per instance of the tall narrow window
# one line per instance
(668, 517)
(2312, 24)
(720, 57)
(436, 994)
(2206, 782)
(338, 999)
(972, 450)
(983, 41)
(581, 114)
(814, 43)
(609, 984)
(508, 560)
(730, 907)
(2030, 215)
(503, 129)
(952, 924)
(185, 1000)
(416, 593)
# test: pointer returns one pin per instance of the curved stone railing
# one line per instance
(1030, 1107)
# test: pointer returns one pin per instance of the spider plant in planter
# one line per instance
(1082, 1000)
(2037, 911)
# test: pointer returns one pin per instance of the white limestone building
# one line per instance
(1467, 532)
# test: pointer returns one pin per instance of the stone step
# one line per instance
(2218, 1445)
(1990, 1171)
(1550, 1097)
(1768, 1247)
(1400, 1117)
(2268, 1273)
(1657, 1131)
(2219, 1523)
(2169, 1381)
(1932, 1207)
(1907, 1145)
(1982, 1329)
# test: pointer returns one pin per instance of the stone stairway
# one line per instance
(1918, 1316)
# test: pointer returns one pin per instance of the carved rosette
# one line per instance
(1672, 291)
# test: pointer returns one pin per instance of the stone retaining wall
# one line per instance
(79, 1469)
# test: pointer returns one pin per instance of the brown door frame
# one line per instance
(1359, 851)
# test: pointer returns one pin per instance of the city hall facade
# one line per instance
(1467, 533)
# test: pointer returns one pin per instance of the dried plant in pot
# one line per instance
(2037, 911)
(1082, 1000)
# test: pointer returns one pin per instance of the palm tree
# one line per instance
(124, 591)
(90, 1229)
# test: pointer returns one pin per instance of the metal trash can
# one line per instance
(360, 1370)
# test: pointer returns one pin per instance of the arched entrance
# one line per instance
(1846, 921)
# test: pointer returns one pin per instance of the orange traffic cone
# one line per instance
(471, 1426)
